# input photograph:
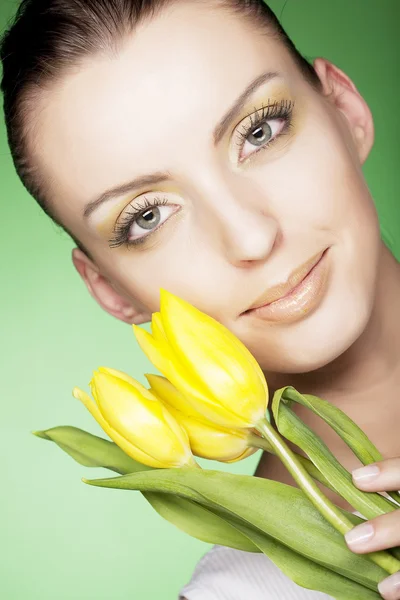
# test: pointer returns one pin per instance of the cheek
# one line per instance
(326, 202)
(318, 181)
(183, 265)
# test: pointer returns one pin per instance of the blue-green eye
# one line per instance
(142, 220)
(261, 128)
(149, 219)
(260, 135)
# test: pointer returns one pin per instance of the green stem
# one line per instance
(327, 509)
(259, 442)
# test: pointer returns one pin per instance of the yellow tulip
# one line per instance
(216, 373)
(206, 439)
(136, 420)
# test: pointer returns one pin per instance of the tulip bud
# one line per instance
(215, 372)
(135, 420)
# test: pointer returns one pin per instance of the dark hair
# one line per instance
(48, 37)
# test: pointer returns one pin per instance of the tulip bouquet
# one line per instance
(212, 402)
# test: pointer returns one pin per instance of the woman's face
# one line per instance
(229, 173)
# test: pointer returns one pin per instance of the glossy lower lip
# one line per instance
(298, 303)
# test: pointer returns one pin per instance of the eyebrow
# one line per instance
(159, 177)
(139, 182)
(237, 106)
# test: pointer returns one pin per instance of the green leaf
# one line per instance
(349, 431)
(293, 429)
(204, 523)
(280, 511)
(93, 451)
(307, 573)
(199, 521)
(90, 450)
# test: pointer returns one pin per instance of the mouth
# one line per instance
(298, 295)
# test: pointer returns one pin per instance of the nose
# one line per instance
(241, 223)
(249, 236)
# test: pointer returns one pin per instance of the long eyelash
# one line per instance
(122, 226)
(276, 110)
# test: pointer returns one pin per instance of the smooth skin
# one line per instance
(235, 218)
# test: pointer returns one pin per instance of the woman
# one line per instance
(188, 146)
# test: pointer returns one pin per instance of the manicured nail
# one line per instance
(390, 587)
(360, 534)
(367, 473)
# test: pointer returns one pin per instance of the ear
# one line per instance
(104, 293)
(345, 96)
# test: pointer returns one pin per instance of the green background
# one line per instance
(60, 538)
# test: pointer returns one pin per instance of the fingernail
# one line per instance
(360, 534)
(367, 473)
(390, 587)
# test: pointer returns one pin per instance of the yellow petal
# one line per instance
(157, 327)
(180, 433)
(141, 419)
(202, 404)
(163, 358)
(210, 353)
(126, 446)
(245, 454)
(164, 385)
(206, 439)
(172, 398)
(153, 349)
(213, 443)
(125, 377)
(167, 393)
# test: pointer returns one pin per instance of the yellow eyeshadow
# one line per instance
(264, 97)
(267, 95)
(107, 223)
(108, 215)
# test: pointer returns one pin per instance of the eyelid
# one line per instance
(126, 220)
(272, 111)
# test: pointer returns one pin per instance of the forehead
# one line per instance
(152, 106)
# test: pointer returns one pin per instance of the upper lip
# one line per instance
(282, 289)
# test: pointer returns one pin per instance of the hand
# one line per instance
(382, 532)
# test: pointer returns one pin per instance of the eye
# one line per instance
(260, 136)
(141, 221)
(148, 220)
(263, 127)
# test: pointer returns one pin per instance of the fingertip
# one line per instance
(366, 475)
(389, 588)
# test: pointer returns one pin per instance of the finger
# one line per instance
(378, 534)
(389, 588)
(383, 476)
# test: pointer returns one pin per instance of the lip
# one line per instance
(298, 295)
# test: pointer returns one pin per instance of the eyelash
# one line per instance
(277, 110)
(122, 227)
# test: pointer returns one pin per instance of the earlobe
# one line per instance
(104, 293)
(344, 95)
